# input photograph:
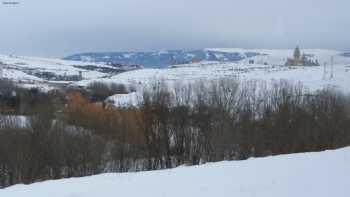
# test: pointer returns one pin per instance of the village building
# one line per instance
(300, 59)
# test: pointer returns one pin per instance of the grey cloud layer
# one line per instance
(57, 28)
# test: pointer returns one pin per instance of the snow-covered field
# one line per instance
(320, 174)
(268, 67)
(15, 65)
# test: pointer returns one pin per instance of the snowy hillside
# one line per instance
(268, 67)
(321, 174)
(258, 64)
(36, 69)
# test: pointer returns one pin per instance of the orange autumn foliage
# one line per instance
(95, 116)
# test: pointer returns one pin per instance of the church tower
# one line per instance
(297, 55)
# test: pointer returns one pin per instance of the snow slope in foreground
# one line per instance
(308, 174)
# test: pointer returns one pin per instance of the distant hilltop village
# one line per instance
(301, 60)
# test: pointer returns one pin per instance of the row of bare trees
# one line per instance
(185, 125)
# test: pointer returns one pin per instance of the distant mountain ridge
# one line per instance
(346, 54)
(158, 59)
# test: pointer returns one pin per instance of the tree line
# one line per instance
(184, 125)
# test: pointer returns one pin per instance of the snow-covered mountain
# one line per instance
(158, 59)
(346, 54)
(320, 174)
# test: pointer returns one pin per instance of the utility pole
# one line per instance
(80, 75)
(1, 70)
(332, 67)
(324, 70)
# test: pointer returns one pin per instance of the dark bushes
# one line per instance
(27, 156)
(100, 91)
(188, 125)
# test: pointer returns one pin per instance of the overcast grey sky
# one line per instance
(62, 27)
